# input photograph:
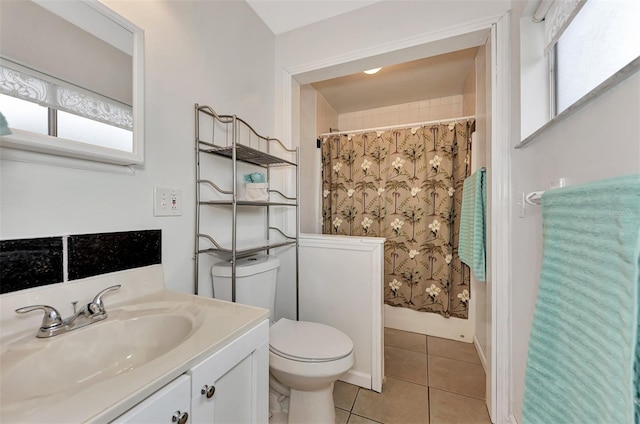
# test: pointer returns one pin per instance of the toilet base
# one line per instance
(311, 406)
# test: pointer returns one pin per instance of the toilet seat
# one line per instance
(304, 341)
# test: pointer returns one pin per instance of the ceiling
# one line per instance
(286, 15)
(432, 77)
(437, 75)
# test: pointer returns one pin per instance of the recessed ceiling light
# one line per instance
(372, 71)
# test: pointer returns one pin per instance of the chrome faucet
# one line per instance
(53, 324)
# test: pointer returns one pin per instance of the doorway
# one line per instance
(495, 319)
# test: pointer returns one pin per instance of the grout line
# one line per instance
(362, 416)
(65, 259)
(429, 401)
(408, 350)
(407, 381)
(455, 393)
(354, 399)
(427, 370)
(455, 359)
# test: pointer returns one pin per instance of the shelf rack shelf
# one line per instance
(236, 151)
(247, 203)
(247, 155)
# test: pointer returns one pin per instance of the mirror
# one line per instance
(71, 80)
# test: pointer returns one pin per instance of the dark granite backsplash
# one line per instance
(30, 263)
(94, 254)
(27, 263)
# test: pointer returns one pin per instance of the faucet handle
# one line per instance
(97, 305)
(51, 317)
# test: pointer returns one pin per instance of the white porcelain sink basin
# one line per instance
(127, 339)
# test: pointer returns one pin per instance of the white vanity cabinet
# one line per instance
(232, 386)
(170, 404)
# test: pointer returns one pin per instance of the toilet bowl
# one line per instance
(308, 358)
(305, 358)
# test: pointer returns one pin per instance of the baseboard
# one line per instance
(435, 325)
(483, 358)
(357, 378)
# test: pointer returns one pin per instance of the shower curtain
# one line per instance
(406, 185)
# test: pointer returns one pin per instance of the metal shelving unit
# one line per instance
(237, 151)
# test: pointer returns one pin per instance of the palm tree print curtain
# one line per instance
(405, 185)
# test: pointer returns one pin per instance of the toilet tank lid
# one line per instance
(247, 266)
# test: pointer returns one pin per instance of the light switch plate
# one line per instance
(167, 201)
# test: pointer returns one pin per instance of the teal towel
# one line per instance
(471, 247)
(584, 338)
(254, 177)
(4, 126)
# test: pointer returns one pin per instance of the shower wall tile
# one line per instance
(27, 263)
(94, 254)
(405, 113)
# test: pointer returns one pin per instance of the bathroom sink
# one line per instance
(127, 339)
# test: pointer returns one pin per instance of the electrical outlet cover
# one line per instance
(167, 201)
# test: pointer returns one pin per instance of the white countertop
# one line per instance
(218, 323)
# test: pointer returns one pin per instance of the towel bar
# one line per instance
(534, 198)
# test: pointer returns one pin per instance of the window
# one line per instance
(602, 38)
(571, 52)
(24, 115)
(71, 84)
(40, 104)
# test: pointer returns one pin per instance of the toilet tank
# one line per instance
(256, 278)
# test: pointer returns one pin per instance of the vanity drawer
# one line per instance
(173, 400)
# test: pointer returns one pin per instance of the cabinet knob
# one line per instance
(180, 417)
(208, 390)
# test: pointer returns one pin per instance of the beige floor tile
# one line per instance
(453, 349)
(405, 340)
(357, 419)
(400, 402)
(451, 375)
(405, 365)
(450, 408)
(342, 416)
(344, 394)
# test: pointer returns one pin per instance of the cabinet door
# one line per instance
(232, 386)
(160, 407)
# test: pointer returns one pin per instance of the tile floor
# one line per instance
(429, 380)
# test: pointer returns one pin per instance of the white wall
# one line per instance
(309, 157)
(357, 312)
(469, 91)
(326, 116)
(599, 141)
(316, 117)
(185, 63)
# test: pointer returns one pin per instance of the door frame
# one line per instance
(498, 375)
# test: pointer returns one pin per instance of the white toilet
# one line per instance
(305, 358)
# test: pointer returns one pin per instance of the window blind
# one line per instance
(558, 18)
(33, 86)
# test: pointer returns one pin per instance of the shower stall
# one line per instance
(400, 179)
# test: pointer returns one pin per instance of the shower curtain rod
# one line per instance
(391, 127)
